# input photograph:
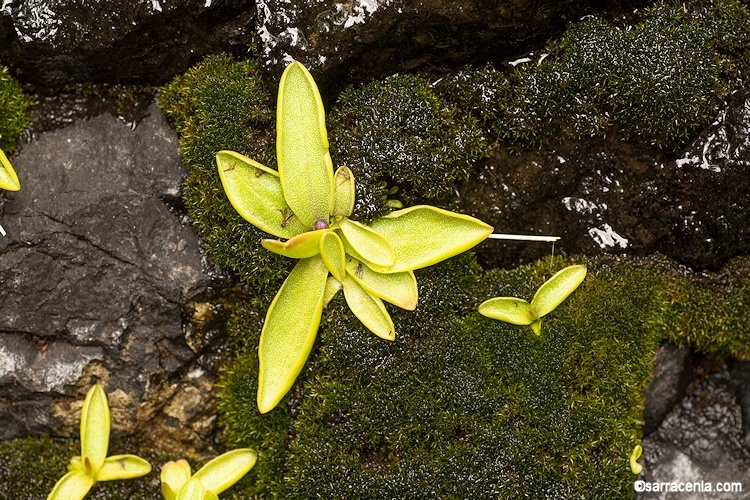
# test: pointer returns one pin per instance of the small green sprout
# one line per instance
(308, 204)
(94, 465)
(178, 483)
(635, 467)
(550, 295)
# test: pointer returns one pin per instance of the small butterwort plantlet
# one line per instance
(308, 205)
(635, 467)
(550, 295)
(93, 464)
(178, 483)
(8, 178)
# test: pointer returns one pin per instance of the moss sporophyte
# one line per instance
(550, 295)
(93, 464)
(309, 205)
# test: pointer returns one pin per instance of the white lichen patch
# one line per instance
(607, 237)
(35, 20)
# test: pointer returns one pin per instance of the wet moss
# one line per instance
(30, 467)
(398, 133)
(461, 406)
(14, 110)
(659, 81)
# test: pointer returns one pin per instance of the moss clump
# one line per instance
(659, 81)
(396, 132)
(30, 467)
(14, 111)
(461, 406)
(222, 104)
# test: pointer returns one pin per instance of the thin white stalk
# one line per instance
(2, 230)
(522, 237)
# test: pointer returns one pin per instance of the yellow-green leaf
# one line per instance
(305, 165)
(557, 288)
(72, 486)
(255, 192)
(289, 331)
(364, 243)
(225, 470)
(369, 309)
(399, 289)
(95, 426)
(173, 477)
(332, 288)
(635, 467)
(192, 490)
(343, 199)
(332, 252)
(123, 467)
(301, 246)
(8, 178)
(509, 309)
(424, 235)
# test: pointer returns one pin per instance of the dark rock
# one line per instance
(97, 270)
(699, 441)
(56, 42)
(355, 41)
(603, 195)
(671, 374)
(741, 379)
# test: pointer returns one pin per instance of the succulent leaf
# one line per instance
(305, 165)
(95, 426)
(255, 192)
(289, 330)
(369, 309)
(556, 289)
(123, 467)
(635, 467)
(225, 470)
(173, 477)
(192, 490)
(365, 243)
(509, 309)
(8, 178)
(423, 235)
(72, 486)
(399, 289)
(332, 252)
(332, 288)
(343, 199)
(301, 246)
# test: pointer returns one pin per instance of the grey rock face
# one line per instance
(670, 376)
(96, 271)
(55, 42)
(699, 441)
(357, 40)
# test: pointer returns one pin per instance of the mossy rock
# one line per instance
(659, 81)
(462, 406)
(14, 111)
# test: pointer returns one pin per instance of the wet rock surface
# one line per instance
(603, 195)
(671, 374)
(355, 41)
(701, 440)
(102, 276)
(56, 42)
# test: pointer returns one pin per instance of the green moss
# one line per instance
(14, 110)
(397, 132)
(660, 80)
(30, 467)
(461, 406)
(222, 104)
